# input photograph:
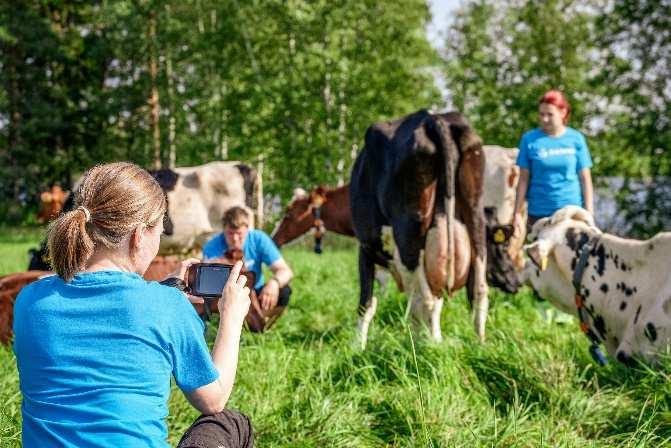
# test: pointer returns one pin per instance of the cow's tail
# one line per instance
(450, 154)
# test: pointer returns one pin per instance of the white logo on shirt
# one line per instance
(553, 152)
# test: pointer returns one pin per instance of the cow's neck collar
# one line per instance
(593, 334)
(318, 226)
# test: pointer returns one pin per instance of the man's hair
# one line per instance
(235, 217)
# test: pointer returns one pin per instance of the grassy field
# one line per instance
(305, 384)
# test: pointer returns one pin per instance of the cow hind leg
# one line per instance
(477, 292)
(425, 315)
(364, 322)
(435, 320)
(367, 302)
(424, 306)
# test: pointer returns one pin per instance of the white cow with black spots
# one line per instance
(625, 284)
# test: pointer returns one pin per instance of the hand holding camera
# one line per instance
(234, 301)
(204, 282)
(221, 282)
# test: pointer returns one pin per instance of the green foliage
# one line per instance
(610, 58)
(294, 84)
(635, 79)
(501, 60)
(305, 384)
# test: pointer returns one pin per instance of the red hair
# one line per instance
(557, 99)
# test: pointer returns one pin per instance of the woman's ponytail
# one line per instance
(69, 244)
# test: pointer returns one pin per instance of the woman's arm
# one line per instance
(521, 195)
(587, 189)
(233, 307)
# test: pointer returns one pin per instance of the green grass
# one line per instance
(14, 245)
(305, 384)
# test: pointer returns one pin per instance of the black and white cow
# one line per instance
(416, 197)
(197, 197)
(625, 286)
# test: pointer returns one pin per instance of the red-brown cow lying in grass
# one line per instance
(10, 285)
(160, 268)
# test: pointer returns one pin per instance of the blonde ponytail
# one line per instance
(69, 244)
(110, 202)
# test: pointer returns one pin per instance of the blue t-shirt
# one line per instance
(553, 164)
(257, 248)
(95, 356)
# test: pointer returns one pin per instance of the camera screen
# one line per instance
(212, 279)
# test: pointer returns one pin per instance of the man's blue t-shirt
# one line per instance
(95, 356)
(257, 248)
(553, 164)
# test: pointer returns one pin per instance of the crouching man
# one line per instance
(255, 248)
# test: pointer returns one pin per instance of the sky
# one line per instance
(441, 12)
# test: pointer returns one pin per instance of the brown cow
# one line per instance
(322, 209)
(10, 285)
(160, 268)
(51, 203)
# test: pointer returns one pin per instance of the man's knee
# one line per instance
(227, 428)
(285, 293)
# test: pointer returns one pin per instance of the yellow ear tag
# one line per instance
(544, 263)
(499, 236)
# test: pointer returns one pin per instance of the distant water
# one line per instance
(618, 210)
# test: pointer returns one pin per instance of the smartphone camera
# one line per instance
(207, 280)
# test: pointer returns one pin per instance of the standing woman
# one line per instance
(96, 345)
(554, 164)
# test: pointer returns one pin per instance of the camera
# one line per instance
(207, 280)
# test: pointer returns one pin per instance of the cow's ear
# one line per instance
(538, 255)
(502, 234)
(299, 193)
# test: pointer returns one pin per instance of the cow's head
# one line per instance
(167, 179)
(299, 217)
(501, 270)
(51, 203)
(559, 230)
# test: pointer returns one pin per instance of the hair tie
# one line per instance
(86, 211)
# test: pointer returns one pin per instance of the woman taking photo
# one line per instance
(96, 344)
(554, 164)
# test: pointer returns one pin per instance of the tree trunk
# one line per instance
(172, 151)
(154, 98)
(342, 131)
(14, 131)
